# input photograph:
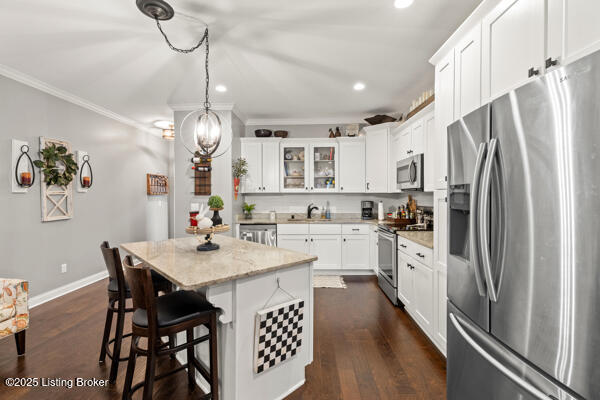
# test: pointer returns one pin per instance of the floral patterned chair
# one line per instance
(14, 312)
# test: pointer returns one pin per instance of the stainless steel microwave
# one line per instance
(409, 173)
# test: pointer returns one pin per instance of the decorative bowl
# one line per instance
(281, 134)
(380, 119)
(263, 132)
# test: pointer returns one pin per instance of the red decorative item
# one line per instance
(193, 215)
(26, 178)
(236, 187)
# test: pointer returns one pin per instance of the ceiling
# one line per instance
(278, 58)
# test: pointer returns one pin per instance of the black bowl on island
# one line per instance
(263, 132)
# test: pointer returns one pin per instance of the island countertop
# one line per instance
(180, 262)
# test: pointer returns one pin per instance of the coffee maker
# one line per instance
(367, 209)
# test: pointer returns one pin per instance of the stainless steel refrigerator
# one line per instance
(524, 242)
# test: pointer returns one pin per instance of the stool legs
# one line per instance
(190, 356)
(114, 368)
(105, 337)
(150, 368)
(130, 370)
(214, 367)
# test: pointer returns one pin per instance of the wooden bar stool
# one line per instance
(167, 315)
(118, 292)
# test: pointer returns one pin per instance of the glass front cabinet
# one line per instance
(309, 167)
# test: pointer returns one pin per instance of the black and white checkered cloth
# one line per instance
(278, 334)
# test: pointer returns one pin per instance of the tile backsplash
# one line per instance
(338, 203)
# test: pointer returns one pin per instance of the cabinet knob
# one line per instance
(306, 240)
(311, 188)
(311, 239)
(550, 62)
(342, 188)
(533, 72)
(367, 185)
(306, 188)
(344, 239)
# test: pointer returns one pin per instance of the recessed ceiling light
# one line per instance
(402, 3)
(221, 88)
(358, 86)
(163, 124)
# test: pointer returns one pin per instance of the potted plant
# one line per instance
(216, 204)
(239, 168)
(248, 208)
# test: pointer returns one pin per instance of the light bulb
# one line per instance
(403, 3)
(207, 134)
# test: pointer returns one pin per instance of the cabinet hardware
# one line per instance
(420, 255)
(403, 246)
(550, 62)
(532, 72)
(311, 239)
(344, 239)
(355, 229)
(342, 188)
(306, 188)
(367, 185)
(306, 240)
(311, 188)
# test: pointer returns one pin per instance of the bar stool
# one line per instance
(167, 315)
(118, 292)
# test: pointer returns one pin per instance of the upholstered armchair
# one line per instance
(14, 312)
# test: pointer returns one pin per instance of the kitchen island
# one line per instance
(240, 279)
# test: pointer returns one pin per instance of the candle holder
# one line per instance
(86, 181)
(25, 179)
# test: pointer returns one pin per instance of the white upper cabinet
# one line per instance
(444, 116)
(377, 162)
(324, 167)
(430, 152)
(295, 166)
(270, 166)
(352, 165)
(262, 156)
(513, 45)
(252, 152)
(417, 138)
(467, 93)
(573, 30)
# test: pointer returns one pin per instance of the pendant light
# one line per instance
(208, 128)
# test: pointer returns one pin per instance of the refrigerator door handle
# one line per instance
(474, 250)
(503, 369)
(484, 218)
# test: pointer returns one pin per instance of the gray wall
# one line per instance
(113, 210)
(222, 182)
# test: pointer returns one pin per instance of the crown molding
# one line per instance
(306, 121)
(71, 98)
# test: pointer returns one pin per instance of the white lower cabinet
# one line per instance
(373, 251)
(328, 248)
(422, 308)
(416, 288)
(439, 336)
(405, 281)
(336, 246)
(355, 251)
(297, 243)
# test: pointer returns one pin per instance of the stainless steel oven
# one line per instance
(409, 173)
(388, 265)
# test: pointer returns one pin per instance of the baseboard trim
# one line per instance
(65, 289)
(291, 390)
(343, 272)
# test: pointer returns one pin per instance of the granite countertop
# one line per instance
(178, 260)
(424, 238)
(285, 218)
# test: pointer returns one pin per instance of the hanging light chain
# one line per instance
(190, 50)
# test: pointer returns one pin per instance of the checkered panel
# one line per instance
(278, 334)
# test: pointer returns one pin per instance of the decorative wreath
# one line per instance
(52, 157)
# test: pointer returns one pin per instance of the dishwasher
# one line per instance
(263, 234)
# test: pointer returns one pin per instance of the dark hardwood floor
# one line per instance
(364, 349)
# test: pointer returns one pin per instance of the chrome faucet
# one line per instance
(310, 209)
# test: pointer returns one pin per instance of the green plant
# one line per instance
(215, 202)
(239, 167)
(248, 208)
(58, 166)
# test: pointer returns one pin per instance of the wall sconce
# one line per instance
(168, 129)
(25, 178)
(86, 176)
